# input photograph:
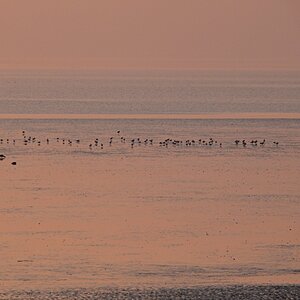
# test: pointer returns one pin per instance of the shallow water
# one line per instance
(74, 218)
(149, 215)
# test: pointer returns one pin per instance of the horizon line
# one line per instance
(56, 68)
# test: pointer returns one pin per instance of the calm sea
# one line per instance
(75, 217)
(137, 92)
(167, 93)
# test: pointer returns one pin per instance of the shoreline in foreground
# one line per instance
(201, 292)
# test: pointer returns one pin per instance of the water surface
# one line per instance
(148, 216)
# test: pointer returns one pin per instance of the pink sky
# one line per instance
(150, 33)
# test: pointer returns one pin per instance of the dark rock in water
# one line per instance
(14, 163)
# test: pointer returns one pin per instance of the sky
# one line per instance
(201, 34)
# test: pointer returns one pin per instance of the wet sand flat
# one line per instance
(211, 292)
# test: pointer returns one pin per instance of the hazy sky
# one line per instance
(150, 33)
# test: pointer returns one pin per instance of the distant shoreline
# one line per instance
(208, 116)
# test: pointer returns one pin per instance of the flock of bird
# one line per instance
(26, 139)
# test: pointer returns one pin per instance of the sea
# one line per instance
(158, 184)
(151, 92)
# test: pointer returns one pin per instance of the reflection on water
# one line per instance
(148, 215)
